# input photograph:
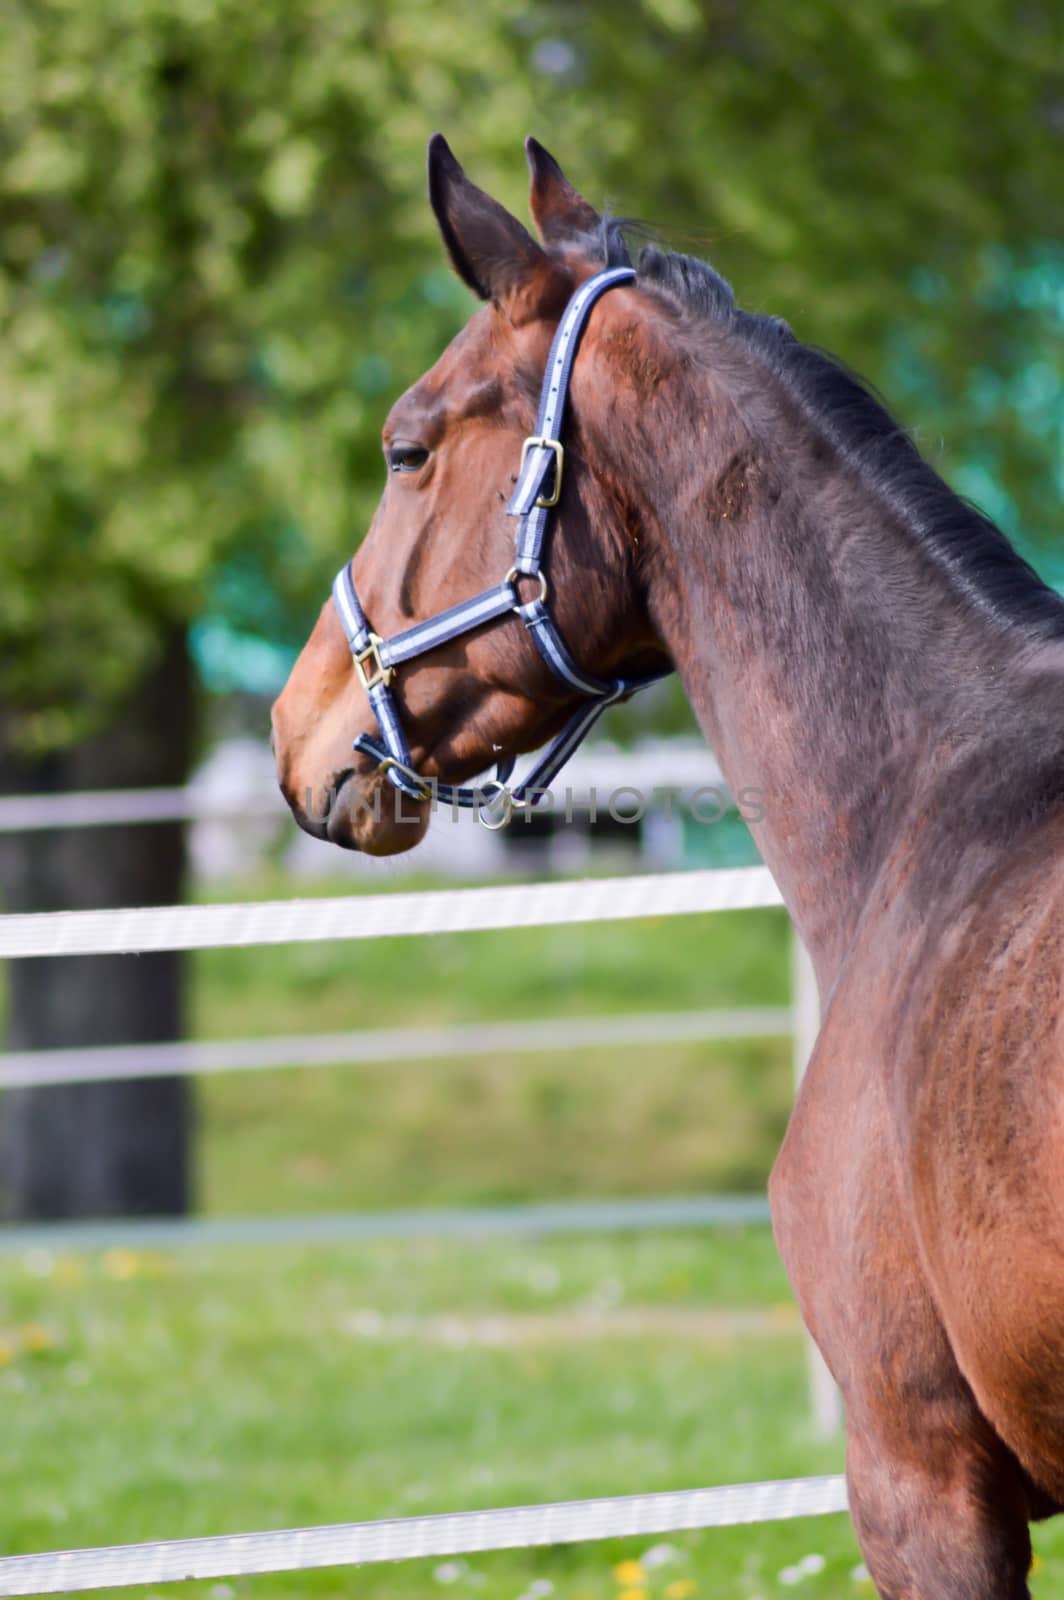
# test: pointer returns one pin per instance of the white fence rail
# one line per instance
(406, 1538)
(108, 808)
(473, 1224)
(379, 916)
(21, 1069)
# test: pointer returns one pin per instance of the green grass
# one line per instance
(736, 958)
(172, 1396)
(169, 1396)
(175, 1395)
(155, 1396)
(663, 1120)
(495, 1130)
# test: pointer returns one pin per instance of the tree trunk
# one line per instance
(107, 1149)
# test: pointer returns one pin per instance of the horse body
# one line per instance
(871, 655)
(917, 1204)
(906, 738)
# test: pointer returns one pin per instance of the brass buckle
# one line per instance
(379, 674)
(536, 441)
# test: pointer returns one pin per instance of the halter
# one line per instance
(538, 491)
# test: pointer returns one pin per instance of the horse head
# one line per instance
(454, 449)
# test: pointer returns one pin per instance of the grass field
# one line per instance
(678, 1119)
(173, 1395)
(149, 1396)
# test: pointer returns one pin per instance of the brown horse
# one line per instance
(871, 654)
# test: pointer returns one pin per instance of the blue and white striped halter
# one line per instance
(538, 491)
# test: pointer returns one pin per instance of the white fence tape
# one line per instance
(107, 1063)
(462, 1534)
(67, 933)
(102, 808)
(471, 1224)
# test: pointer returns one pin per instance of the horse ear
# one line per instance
(558, 210)
(488, 247)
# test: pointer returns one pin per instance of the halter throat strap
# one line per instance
(537, 492)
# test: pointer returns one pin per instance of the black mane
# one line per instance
(975, 553)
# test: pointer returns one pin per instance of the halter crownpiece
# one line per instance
(537, 492)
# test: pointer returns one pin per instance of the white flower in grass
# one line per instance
(807, 1567)
(659, 1555)
(861, 1574)
(38, 1263)
(606, 1294)
(540, 1586)
(368, 1324)
(544, 1278)
(450, 1571)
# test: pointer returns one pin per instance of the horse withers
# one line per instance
(868, 652)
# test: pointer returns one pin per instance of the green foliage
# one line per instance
(217, 265)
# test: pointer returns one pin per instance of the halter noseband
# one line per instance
(538, 490)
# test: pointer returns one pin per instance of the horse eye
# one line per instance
(406, 458)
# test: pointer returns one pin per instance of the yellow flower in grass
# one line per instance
(7, 1352)
(120, 1264)
(680, 1589)
(35, 1338)
(155, 1266)
(629, 1574)
(1036, 1562)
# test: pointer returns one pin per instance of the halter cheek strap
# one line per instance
(537, 492)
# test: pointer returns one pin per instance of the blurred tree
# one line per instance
(217, 266)
(109, 1148)
(883, 176)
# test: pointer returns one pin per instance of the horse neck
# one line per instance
(833, 667)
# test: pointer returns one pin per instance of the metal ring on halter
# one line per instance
(544, 589)
(496, 827)
(407, 772)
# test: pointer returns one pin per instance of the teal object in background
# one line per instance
(727, 843)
